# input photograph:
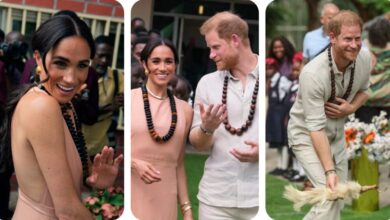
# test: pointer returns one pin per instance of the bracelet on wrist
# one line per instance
(206, 131)
(185, 208)
(185, 203)
(330, 171)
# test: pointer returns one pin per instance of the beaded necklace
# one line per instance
(248, 123)
(77, 135)
(149, 120)
(333, 83)
(154, 95)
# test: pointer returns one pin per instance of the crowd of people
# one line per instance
(67, 83)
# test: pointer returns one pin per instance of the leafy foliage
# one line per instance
(107, 204)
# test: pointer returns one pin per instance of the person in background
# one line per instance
(296, 173)
(154, 33)
(276, 123)
(137, 48)
(159, 129)
(137, 75)
(315, 41)
(282, 51)
(110, 98)
(225, 122)
(379, 91)
(317, 118)
(40, 132)
(138, 32)
(181, 88)
(15, 58)
(137, 22)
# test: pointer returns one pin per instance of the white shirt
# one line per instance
(226, 181)
(284, 85)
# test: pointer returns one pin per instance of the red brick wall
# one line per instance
(96, 7)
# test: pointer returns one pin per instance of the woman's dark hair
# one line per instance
(47, 37)
(289, 50)
(155, 42)
(379, 33)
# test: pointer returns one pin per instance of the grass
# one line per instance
(279, 208)
(194, 165)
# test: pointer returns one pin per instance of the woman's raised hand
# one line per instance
(104, 169)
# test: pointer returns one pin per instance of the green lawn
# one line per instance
(194, 169)
(279, 208)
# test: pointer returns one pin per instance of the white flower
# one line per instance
(375, 137)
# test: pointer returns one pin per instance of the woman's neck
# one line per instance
(157, 91)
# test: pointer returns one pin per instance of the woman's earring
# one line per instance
(38, 70)
(146, 72)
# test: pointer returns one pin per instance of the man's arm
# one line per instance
(200, 140)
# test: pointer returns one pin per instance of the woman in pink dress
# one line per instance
(41, 132)
(159, 128)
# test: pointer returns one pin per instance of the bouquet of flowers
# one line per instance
(107, 204)
(374, 137)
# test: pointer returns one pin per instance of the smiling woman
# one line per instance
(63, 47)
(159, 128)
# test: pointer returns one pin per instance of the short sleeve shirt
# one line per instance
(226, 181)
(314, 42)
(308, 111)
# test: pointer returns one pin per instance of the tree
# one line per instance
(312, 13)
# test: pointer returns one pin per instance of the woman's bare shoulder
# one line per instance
(37, 104)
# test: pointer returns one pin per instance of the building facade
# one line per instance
(103, 17)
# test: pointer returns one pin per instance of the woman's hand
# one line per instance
(104, 169)
(146, 171)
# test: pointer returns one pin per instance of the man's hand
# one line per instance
(251, 155)
(341, 110)
(213, 116)
(332, 180)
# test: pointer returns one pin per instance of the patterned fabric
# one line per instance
(379, 92)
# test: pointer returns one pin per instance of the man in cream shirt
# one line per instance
(331, 86)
